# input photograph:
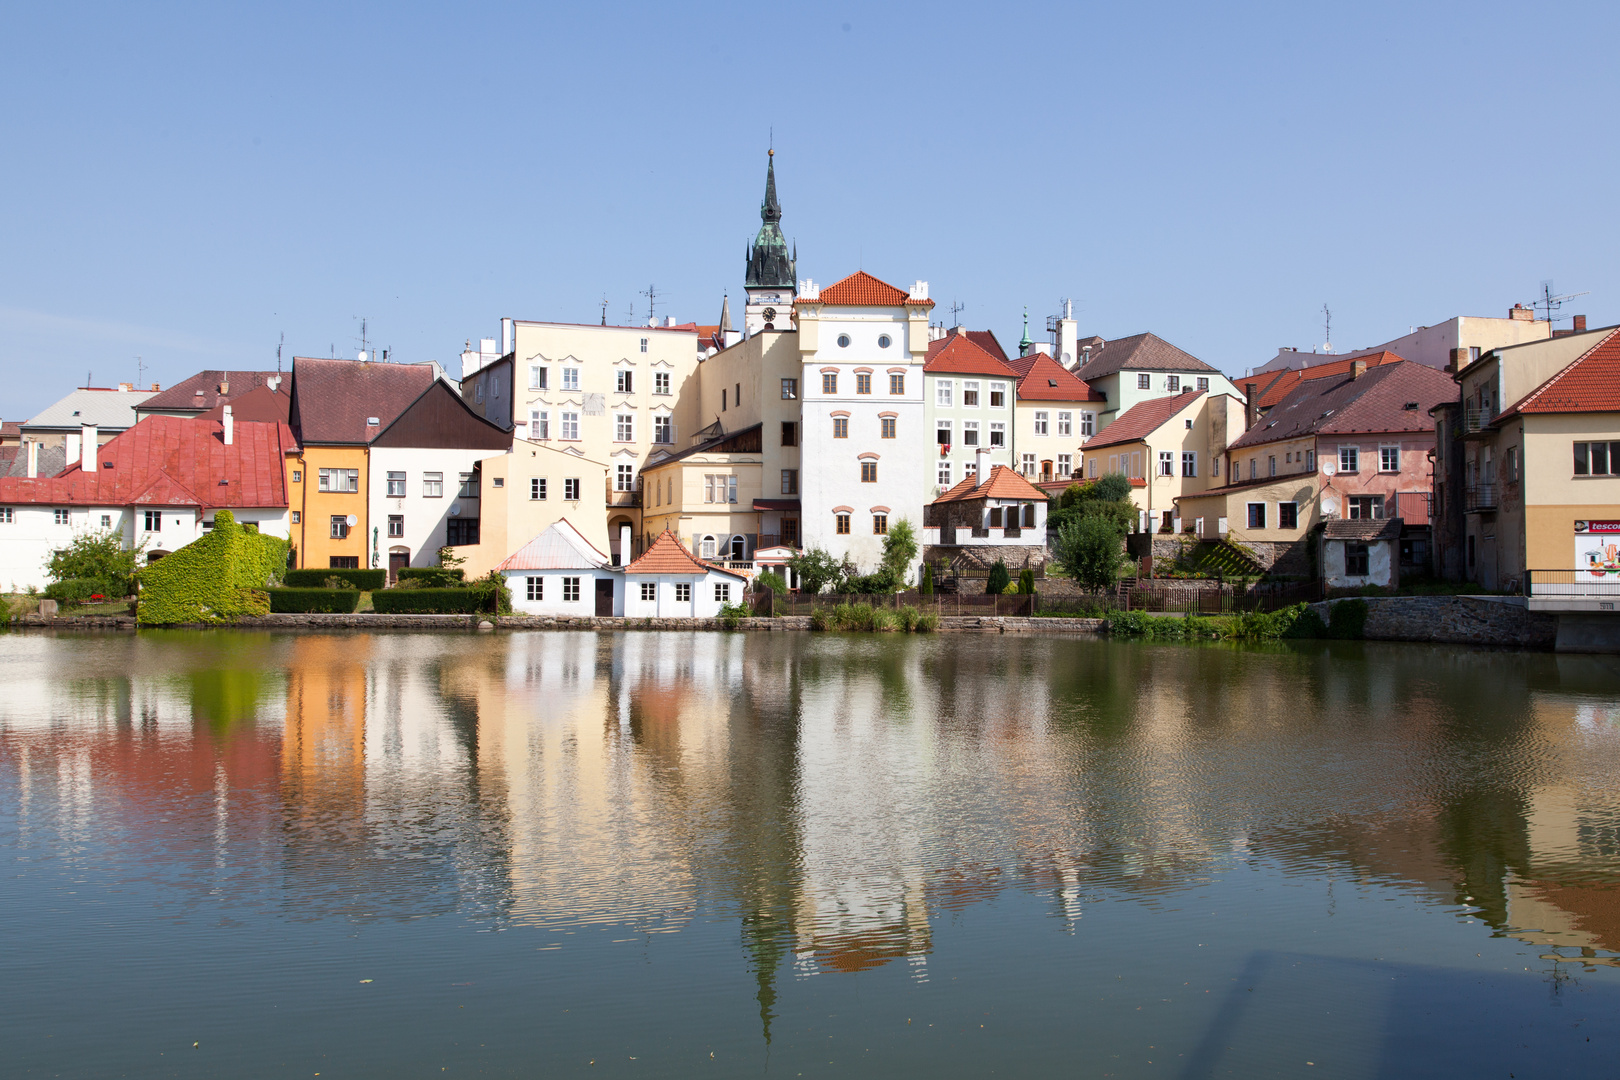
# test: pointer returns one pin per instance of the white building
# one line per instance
(559, 572)
(862, 346)
(669, 581)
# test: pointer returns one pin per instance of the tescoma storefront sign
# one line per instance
(1597, 546)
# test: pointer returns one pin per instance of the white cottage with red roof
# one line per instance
(668, 581)
(994, 514)
(157, 485)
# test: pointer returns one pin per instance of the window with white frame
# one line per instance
(1088, 424)
(663, 428)
(970, 433)
(624, 427)
(1028, 465)
(396, 526)
(537, 488)
(683, 592)
(722, 592)
(539, 424)
(643, 344)
(943, 390)
(339, 527)
(1091, 468)
(1271, 465)
(624, 478)
(970, 468)
(624, 382)
(661, 383)
(469, 486)
(719, 488)
(396, 485)
(1310, 461)
(998, 433)
(571, 489)
(1065, 423)
(1189, 463)
(943, 476)
(152, 519)
(570, 425)
(570, 590)
(536, 588)
(970, 393)
(942, 432)
(538, 377)
(1349, 459)
(1389, 459)
(1254, 468)
(1172, 383)
(706, 547)
(1041, 416)
(340, 480)
(433, 485)
(649, 590)
(1065, 464)
(1167, 463)
(1215, 465)
(7, 516)
(570, 378)
(1144, 382)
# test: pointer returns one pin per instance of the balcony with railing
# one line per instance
(623, 498)
(1477, 416)
(1479, 497)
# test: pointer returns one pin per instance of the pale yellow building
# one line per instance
(1169, 447)
(523, 492)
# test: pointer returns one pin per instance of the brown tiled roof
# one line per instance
(1590, 384)
(201, 392)
(1004, 483)
(1042, 378)
(332, 399)
(1287, 381)
(261, 404)
(172, 461)
(861, 289)
(668, 555)
(1141, 420)
(1375, 403)
(11, 429)
(959, 354)
(1362, 529)
(1140, 352)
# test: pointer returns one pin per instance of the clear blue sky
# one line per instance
(186, 183)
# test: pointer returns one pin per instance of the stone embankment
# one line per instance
(1455, 620)
(983, 624)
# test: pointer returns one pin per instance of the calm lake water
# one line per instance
(743, 855)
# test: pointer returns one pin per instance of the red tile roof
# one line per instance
(1590, 384)
(172, 461)
(1141, 420)
(861, 289)
(1286, 382)
(1004, 483)
(333, 399)
(984, 339)
(201, 392)
(668, 555)
(1375, 403)
(1042, 378)
(261, 404)
(960, 354)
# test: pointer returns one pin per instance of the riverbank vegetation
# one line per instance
(865, 617)
(1346, 621)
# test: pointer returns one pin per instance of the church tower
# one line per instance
(769, 282)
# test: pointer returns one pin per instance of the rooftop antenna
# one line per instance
(1549, 304)
(279, 346)
(957, 307)
(651, 293)
(140, 373)
(604, 310)
(1327, 329)
(363, 341)
(630, 314)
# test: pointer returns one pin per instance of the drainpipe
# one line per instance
(303, 507)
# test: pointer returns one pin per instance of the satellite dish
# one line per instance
(1329, 468)
(1330, 506)
(455, 509)
(362, 354)
(353, 521)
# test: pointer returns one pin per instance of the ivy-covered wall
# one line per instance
(216, 578)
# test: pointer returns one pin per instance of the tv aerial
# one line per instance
(1549, 304)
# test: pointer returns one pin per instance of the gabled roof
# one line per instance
(959, 354)
(1283, 383)
(746, 440)
(560, 547)
(201, 392)
(861, 289)
(1140, 352)
(1142, 419)
(1590, 384)
(1004, 483)
(1362, 529)
(984, 339)
(52, 460)
(11, 429)
(260, 404)
(1042, 378)
(332, 399)
(114, 409)
(1375, 403)
(172, 461)
(668, 555)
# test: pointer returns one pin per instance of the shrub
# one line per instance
(427, 601)
(1265, 625)
(997, 582)
(1347, 619)
(899, 549)
(1088, 550)
(770, 579)
(75, 590)
(816, 569)
(364, 580)
(926, 586)
(218, 577)
(98, 557)
(927, 622)
(1158, 627)
(1026, 582)
(335, 601)
(494, 595)
(1307, 625)
(432, 577)
(908, 618)
(732, 615)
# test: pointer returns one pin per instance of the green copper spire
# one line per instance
(769, 264)
(1024, 342)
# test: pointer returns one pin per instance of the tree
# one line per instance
(926, 586)
(449, 559)
(1111, 488)
(1088, 550)
(770, 579)
(98, 557)
(899, 549)
(816, 569)
(1026, 582)
(997, 583)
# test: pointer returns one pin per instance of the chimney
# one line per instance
(229, 423)
(1521, 313)
(224, 389)
(1251, 394)
(1459, 360)
(981, 466)
(1580, 324)
(126, 387)
(87, 448)
(508, 336)
(1358, 368)
(154, 388)
(669, 320)
(33, 458)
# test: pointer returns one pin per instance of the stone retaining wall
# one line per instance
(1456, 620)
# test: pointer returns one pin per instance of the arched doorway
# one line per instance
(738, 549)
(621, 545)
(399, 557)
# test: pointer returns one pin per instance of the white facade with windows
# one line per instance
(561, 573)
(417, 493)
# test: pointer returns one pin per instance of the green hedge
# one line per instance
(77, 590)
(427, 601)
(216, 578)
(336, 601)
(432, 577)
(364, 580)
